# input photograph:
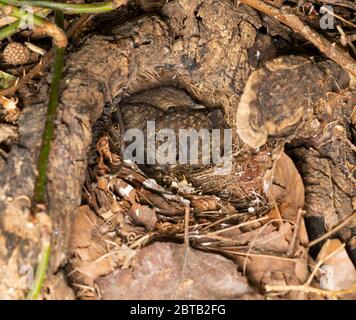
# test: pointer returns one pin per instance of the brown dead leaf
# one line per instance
(277, 240)
(267, 238)
(205, 203)
(284, 186)
(169, 271)
(84, 247)
(162, 206)
(126, 191)
(338, 271)
(105, 156)
(57, 288)
(258, 266)
(143, 215)
(244, 238)
(91, 256)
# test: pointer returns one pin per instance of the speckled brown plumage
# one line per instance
(169, 108)
(164, 98)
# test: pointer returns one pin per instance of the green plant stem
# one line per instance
(49, 124)
(59, 18)
(43, 164)
(45, 26)
(65, 7)
(21, 14)
(12, 28)
(68, 7)
(9, 30)
(40, 272)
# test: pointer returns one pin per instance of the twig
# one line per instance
(83, 19)
(306, 286)
(341, 3)
(121, 138)
(295, 233)
(254, 254)
(339, 17)
(186, 227)
(238, 225)
(42, 25)
(323, 292)
(46, 59)
(344, 40)
(210, 225)
(331, 50)
(328, 234)
(317, 266)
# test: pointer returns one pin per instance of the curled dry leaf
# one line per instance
(167, 205)
(169, 271)
(53, 31)
(264, 269)
(183, 187)
(105, 155)
(91, 254)
(9, 111)
(143, 215)
(338, 272)
(126, 191)
(267, 111)
(205, 203)
(284, 186)
(267, 238)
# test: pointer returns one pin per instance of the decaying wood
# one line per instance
(200, 46)
(330, 50)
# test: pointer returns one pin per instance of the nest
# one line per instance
(291, 178)
(234, 214)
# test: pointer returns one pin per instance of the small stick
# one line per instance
(344, 40)
(339, 17)
(210, 225)
(309, 289)
(331, 50)
(328, 234)
(238, 225)
(52, 30)
(306, 286)
(341, 3)
(186, 227)
(45, 61)
(318, 265)
(295, 233)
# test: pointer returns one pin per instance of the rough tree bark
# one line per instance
(200, 46)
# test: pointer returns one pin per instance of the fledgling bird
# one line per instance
(169, 108)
